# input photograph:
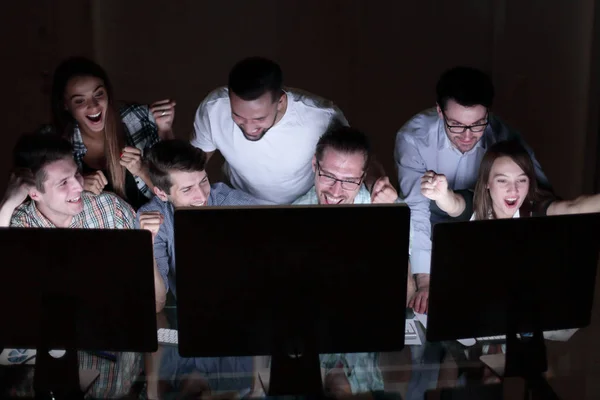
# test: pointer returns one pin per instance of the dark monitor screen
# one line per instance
(329, 278)
(94, 282)
(527, 273)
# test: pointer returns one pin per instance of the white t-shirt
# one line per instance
(516, 215)
(276, 168)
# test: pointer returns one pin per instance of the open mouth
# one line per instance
(74, 200)
(332, 200)
(198, 204)
(94, 118)
(511, 201)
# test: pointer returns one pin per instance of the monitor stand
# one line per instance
(57, 378)
(526, 358)
(295, 373)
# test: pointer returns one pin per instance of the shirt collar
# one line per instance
(36, 214)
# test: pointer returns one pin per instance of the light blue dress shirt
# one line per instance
(421, 145)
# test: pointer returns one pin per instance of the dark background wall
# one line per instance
(378, 60)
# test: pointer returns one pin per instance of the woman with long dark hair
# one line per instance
(506, 188)
(108, 139)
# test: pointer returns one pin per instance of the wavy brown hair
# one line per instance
(114, 136)
(482, 201)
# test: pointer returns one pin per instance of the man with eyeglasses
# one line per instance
(340, 165)
(448, 140)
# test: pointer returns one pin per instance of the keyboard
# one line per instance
(483, 340)
(410, 330)
(167, 337)
(499, 338)
(411, 335)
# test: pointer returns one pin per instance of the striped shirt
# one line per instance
(104, 211)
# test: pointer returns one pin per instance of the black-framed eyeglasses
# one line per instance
(331, 180)
(463, 128)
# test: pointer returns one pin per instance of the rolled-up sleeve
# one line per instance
(161, 255)
(161, 245)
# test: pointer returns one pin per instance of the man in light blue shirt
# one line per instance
(177, 172)
(450, 140)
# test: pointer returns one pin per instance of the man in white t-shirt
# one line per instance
(266, 133)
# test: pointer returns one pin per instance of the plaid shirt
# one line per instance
(140, 131)
(105, 211)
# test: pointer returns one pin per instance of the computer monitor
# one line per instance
(513, 276)
(76, 289)
(542, 269)
(291, 280)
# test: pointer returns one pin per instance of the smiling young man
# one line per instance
(448, 140)
(340, 165)
(177, 172)
(267, 133)
(45, 171)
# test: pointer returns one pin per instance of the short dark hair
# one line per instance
(252, 77)
(344, 139)
(33, 152)
(465, 85)
(172, 155)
